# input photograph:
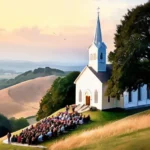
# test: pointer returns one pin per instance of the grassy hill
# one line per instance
(104, 127)
(138, 140)
(40, 72)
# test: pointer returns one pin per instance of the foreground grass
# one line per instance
(139, 140)
(93, 139)
(99, 118)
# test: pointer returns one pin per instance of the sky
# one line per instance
(57, 30)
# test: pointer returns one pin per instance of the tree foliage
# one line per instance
(61, 93)
(17, 124)
(131, 57)
(11, 125)
(4, 125)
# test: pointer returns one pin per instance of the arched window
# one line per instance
(90, 56)
(108, 99)
(80, 96)
(94, 56)
(101, 56)
(130, 96)
(96, 96)
(148, 92)
(139, 93)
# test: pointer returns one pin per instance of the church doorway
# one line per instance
(87, 100)
(87, 97)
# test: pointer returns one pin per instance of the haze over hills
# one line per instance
(22, 100)
(22, 66)
(39, 72)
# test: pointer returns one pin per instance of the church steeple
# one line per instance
(97, 51)
(98, 33)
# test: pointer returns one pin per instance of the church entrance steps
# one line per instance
(86, 109)
(79, 107)
(82, 108)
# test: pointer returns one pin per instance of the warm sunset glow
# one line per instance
(61, 30)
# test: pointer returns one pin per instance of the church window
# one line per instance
(94, 56)
(101, 56)
(139, 93)
(80, 96)
(96, 96)
(91, 57)
(130, 96)
(148, 92)
(108, 99)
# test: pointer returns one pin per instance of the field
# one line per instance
(23, 99)
(105, 126)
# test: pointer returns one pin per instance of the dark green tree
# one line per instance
(61, 93)
(17, 124)
(131, 57)
(5, 126)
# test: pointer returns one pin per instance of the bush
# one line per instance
(17, 124)
(93, 108)
(62, 93)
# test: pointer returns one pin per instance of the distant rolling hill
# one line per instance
(22, 100)
(40, 72)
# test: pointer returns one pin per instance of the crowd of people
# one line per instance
(51, 127)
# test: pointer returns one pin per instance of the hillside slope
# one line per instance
(101, 133)
(22, 100)
(40, 72)
(99, 138)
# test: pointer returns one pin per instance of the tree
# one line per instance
(62, 93)
(131, 57)
(17, 124)
(5, 126)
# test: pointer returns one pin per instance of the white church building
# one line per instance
(91, 83)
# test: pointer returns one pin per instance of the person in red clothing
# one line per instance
(19, 139)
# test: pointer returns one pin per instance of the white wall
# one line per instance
(93, 63)
(113, 101)
(88, 81)
(135, 102)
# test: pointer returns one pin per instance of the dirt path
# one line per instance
(25, 145)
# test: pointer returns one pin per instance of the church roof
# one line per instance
(98, 34)
(103, 76)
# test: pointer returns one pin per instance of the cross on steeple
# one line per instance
(98, 10)
(98, 34)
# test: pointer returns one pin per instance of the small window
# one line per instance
(108, 99)
(139, 93)
(130, 96)
(94, 56)
(96, 96)
(118, 98)
(90, 56)
(148, 92)
(80, 96)
(101, 56)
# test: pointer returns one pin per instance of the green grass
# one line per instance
(139, 140)
(99, 118)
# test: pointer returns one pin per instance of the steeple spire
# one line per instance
(98, 34)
